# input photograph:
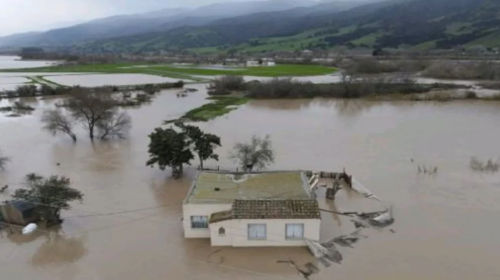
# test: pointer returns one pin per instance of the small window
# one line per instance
(222, 231)
(257, 232)
(294, 231)
(199, 221)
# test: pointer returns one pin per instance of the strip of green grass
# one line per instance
(177, 72)
(219, 107)
(272, 71)
(42, 80)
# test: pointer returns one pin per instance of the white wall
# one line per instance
(237, 232)
(221, 240)
(189, 210)
(252, 63)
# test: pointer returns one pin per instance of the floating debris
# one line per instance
(383, 220)
(309, 270)
(29, 229)
(346, 240)
(326, 252)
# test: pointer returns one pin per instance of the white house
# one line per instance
(257, 209)
(252, 63)
(269, 63)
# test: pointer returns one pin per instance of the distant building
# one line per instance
(251, 209)
(268, 63)
(19, 212)
(252, 63)
(262, 62)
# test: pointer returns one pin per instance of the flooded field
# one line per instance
(13, 62)
(129, 224)
(10, 83)
(96, 80)
(129, 227)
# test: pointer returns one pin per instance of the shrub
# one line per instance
(226, 84)
(471, 95)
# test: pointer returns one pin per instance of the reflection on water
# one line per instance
(444, 226)
(59, 250)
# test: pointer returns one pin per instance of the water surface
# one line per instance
(445, 228)
(15, 62)
(445, 225)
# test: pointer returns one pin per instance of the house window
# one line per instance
(199, 221)
(257, 232)
(222, 231)
(294, 231)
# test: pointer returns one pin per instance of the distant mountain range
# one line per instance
(161, 20)
(284, 25)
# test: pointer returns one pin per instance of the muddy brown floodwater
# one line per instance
(446, 225)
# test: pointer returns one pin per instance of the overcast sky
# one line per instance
(34, 15)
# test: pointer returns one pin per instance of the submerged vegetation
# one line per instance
(3, 161)
(49, 90)
(51, 196)
(489, 166)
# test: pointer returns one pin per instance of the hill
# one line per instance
(227, 31)
(163, 20)
(415, 24)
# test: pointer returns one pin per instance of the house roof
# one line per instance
(225, 187)
(269, 209)
(22, 205)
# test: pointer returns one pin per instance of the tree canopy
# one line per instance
(172, 148)
(51, 194)
(203, 143)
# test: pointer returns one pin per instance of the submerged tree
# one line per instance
(90, 108)
(256, 154)
(348, 79)
(203, 143)
(3, 161)
(51, 195)
(56, 122)
(98, 113)
(170, 148)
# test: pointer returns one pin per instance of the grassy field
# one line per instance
(184, 73)
(219, 107)
(273, 71)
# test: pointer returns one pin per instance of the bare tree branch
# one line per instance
(56, 122)
(117, 125)
(90, 108)
(256, 154)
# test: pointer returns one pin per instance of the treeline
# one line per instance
(468, 70)
(439, 69)
(349, 87)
